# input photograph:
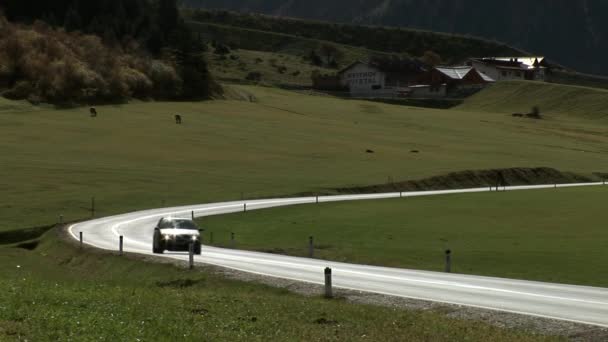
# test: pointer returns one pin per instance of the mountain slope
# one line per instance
(574, 33)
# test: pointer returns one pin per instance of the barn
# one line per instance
(511, 68)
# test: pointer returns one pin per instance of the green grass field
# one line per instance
(134, 157)
(297, 71)
(57, 292)
(552, 99)
(547, 235)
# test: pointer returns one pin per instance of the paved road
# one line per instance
(566, 302)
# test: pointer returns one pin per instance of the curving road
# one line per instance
(580, 304)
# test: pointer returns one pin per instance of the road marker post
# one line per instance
(328, 289)
(120, 243)
(311, 247)
(448, 261)
(80, 234)
(191, 255)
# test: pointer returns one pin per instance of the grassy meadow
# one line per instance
(546, 235)
(133, 156)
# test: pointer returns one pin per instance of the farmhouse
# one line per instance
(511, 68)
(380, 78)
(456, 78)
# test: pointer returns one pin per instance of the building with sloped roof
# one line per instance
(511, 68)
(455, 81)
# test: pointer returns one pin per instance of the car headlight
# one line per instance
(167, 237)
(194, 237)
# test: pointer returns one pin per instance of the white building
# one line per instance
(378, 79)
(511, 68)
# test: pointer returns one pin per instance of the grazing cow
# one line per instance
(178, 119)
(93, 112)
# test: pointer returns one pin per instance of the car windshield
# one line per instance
(184, 224)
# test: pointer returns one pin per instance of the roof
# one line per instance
(486, 77)
(455, 73)
(353, 64)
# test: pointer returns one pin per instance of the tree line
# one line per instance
(147, 28)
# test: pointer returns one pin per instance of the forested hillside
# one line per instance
(75, 51)
(574, 33)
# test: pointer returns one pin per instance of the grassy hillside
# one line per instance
(581, 44)
(452, 48)
(553, 99)
(274, 68)
(134, 156)
(547, 235)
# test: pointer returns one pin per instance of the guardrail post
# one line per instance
(328, 289)
(93, 206)
(244, 207)
(311, 247)
(120, 241)
(80, 234)
(448, 261)
(192, 215)
(400, 194)
(191, 255)
(317, 199)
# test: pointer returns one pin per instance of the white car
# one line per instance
(176, 234)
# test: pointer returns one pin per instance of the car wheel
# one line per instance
(157, 247)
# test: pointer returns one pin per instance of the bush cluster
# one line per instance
(41, 63)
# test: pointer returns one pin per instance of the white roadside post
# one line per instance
(191, 255)
(328, 289)
(120, 243)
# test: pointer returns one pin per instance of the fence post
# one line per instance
(80, 239)
(328, 289)
(448, 261)
(191, 255)
(311, 247)
(120, 241)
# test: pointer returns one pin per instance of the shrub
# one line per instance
(254, 76)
